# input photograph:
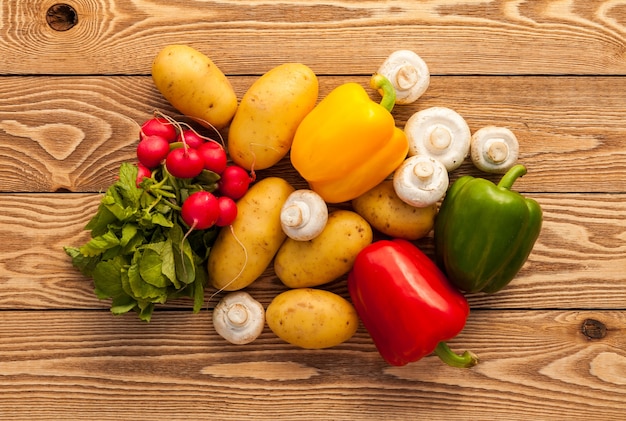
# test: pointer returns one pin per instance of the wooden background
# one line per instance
(552, 344)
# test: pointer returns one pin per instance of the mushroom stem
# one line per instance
(239, 318)
(440, 138)
(406, 77)
(424, 170)
(420, 181)
(497, 150)
(296, 214)
(494, 149)
(408, 73)
(237, 314)
(304, 214)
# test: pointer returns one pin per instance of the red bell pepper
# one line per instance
(407, 304)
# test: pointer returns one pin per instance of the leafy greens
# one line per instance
(141, 253)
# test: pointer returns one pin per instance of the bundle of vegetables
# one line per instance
(155, 226)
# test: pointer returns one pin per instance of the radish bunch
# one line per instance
(183, 153)
(155, 226)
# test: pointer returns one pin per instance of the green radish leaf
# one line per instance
(128, 183)
(99, 244)
(122, 304)
(183, 257)
(107, 278)
(164, 209)
(145, 310)
(198, 291)
(115, 206)
(85, 264)
(208, 179)
(168, 263)
(111, 253)
(128, 233)
(99, 223)
(150, 271)
(133, 244)
(142, 290)
(126, 283)
(160, 219)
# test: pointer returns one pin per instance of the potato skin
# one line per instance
(311, 318)
(326, 257)
(387, 213)
(270, 111)
(257, 229)
(194, 85)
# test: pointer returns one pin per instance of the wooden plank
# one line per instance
(72, 133)
(534, 364)
(337, 37)
(578, 261)
(552, 344)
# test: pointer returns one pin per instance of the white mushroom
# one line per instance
(303, 215)
(494, 149)
(408, 74)
(440, 133)
(239, 318)
(420, 181)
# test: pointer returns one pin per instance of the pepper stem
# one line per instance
(515, 172)
(387, 90)
(466, 360)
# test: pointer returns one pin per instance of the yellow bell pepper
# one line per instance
(348, 143)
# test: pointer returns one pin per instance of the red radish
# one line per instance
(191, 138)
(151, 150)
(184, 163)
(214, 156)
(158, 127)
(142, 172)
(200, 210)
(228, 211)
(234, 182)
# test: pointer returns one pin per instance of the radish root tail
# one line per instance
(245, 263)
(207, 124)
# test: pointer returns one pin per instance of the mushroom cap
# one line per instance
(239, 318)
(494, 149)
(303, 215)
(408, 73)
(420, 181)
(440, 133)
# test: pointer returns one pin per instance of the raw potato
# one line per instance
(326, 257)
(194, 85)
(311, 318)
(237, 261)
(389, 214)
(263, 128)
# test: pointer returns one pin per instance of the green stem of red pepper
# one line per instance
(385, 87)
(466, 360)
(515, 172)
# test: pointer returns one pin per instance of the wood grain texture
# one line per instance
(534, 364)
(338, 36)
(552, 344)
(73, 132)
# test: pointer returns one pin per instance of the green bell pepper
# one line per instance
(484, 233)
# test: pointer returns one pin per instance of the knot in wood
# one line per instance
(61, 17)
(593, 329)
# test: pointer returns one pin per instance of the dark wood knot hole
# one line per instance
(593, 329)
(61, 17)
